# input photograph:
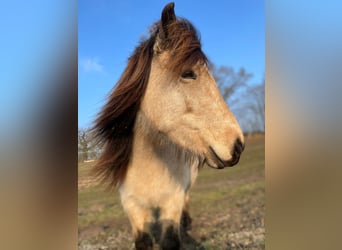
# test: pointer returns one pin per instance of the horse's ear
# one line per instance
(168, 16)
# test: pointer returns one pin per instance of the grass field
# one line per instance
(227, 207)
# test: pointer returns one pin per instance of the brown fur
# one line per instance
(114, 125)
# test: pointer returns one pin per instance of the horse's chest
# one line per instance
(156, 185)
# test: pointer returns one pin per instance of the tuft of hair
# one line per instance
(114, 126)
(183, 44)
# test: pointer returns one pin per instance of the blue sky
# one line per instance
(232, 34)
(34, 37)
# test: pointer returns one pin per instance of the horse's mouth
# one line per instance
(214, 161)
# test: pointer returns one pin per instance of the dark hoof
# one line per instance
(143, 242)
(186, 221)
(171, 240)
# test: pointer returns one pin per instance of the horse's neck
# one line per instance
(153, 147)
(156, 159)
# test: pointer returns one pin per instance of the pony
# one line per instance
(162, 122)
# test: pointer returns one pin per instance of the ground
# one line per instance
(227, 207)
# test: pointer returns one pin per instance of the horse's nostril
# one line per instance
(238, 147)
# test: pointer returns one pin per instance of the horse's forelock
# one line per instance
(184, 46)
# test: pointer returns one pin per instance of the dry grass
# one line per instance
(227, 207)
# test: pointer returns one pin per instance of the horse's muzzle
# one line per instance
(236, 152)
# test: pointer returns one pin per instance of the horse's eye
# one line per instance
(189, 74)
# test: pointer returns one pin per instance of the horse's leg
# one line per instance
(143, 241)
(171, 216)
(171, 237)
(155, 224)
(138, 217)
(186, 218)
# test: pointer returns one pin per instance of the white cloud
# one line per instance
(91, 64)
